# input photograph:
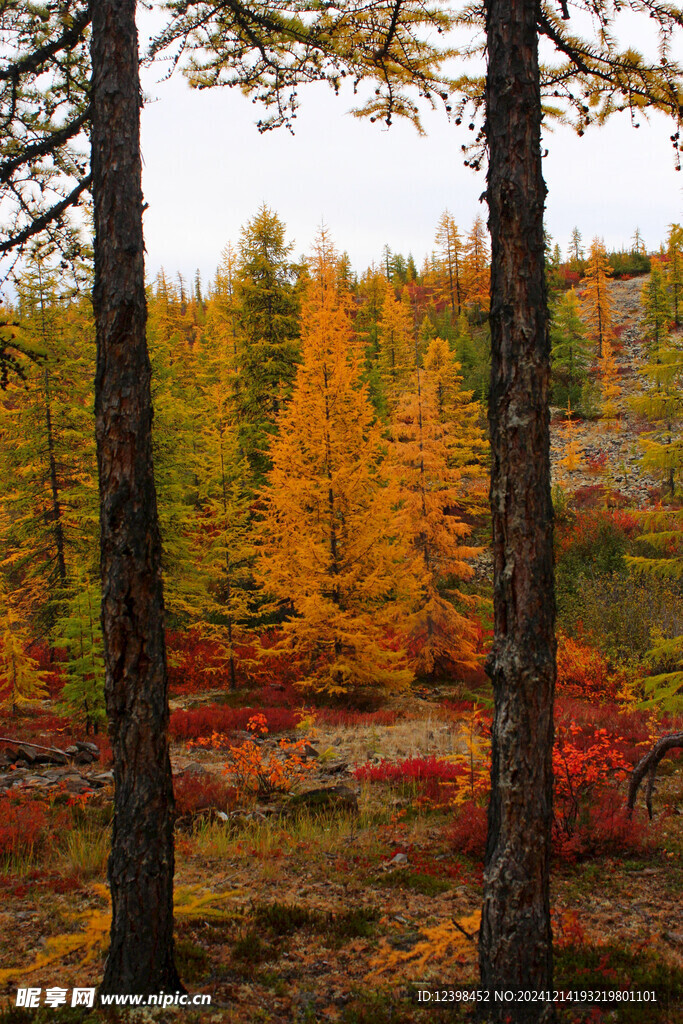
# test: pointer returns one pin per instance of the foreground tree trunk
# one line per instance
(515, 938)
(141, 863)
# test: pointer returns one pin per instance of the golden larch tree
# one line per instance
(450, 254)
(476, 268)
(396, 346)
(609, 386)
(596, 306)
(21, 680)
(436, 445)
(330, 539)
(572, 457)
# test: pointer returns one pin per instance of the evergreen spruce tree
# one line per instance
(268, 334)
(656, 301)
(570, 351)
(674, 274)
(78, 631)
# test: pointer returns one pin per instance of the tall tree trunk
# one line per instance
(516, 940)
(141, 863)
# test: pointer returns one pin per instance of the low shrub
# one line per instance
(434, 778)
(202, 723)
(23, 823)
(467, 833)
(195, 793)
(602, 828)
(583, 671)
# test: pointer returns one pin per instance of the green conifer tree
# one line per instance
(656, 301)
(78, 631)
(674, 274)
(571, 351)
(269, 346)
(662, 403)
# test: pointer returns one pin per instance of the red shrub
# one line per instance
(194, 663)
(602, 829)
(23, 821)
(598, 463)
(197, 664)
(467, 834)
(200, 792)
(434, 777)
(202, 722)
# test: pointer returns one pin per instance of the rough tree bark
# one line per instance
(515, 937)
(141, 864)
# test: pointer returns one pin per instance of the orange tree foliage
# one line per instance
(476, 267)
(436, 444)
(21, 679)
(582, 671)
(609, 387)
(597, 305)
(263, 772)
(331, 546)
(450, 255)
(396, 347)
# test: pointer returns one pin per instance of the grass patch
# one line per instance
(250, 948)
(358, 923)
(286, 918)
(417, 881)
(612, 967)
(192, 961)
(85, 851)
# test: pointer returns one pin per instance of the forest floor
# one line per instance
(343, 907)
(342, 913)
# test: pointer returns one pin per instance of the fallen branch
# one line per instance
(37, 746)
(648, 766)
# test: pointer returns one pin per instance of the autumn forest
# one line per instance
(322, 464)
(341, 620)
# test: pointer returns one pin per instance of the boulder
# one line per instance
(333, 798)
(26, 754)
(89, 748)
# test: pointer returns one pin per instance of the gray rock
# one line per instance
(194, 768)
(89, 748)
(333, 798)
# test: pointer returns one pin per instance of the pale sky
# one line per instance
(207, 170)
